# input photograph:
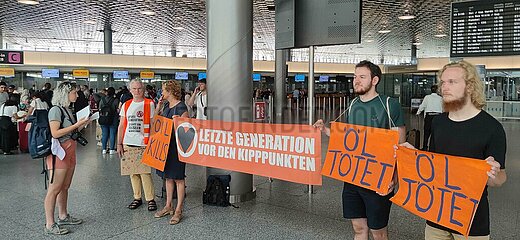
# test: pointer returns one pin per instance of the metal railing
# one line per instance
(503, 109)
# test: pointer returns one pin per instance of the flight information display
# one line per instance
(485, 28)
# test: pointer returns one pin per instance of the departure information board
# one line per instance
(485, 28)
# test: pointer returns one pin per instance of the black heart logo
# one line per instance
(185, 137)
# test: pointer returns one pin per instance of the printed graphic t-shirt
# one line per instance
(134, 134)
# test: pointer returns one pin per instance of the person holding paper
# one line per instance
(132, 137)
(468, 131)
(170, 106)
(62, 125)
(369, 211)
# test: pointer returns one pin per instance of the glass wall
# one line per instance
(406, 86)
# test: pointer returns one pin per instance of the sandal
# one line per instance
(135, 204)
(176, 218)
(152, 206)
(165, 211)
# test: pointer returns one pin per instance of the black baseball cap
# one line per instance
(202, 80)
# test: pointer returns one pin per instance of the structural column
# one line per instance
(1, 39)
(108, 39)
(310, 95)
(174, 52)
(280, 99)
(229, 69)
(413, 55)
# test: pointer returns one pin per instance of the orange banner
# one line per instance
(363, 156)
(440, 188)
(157, 149)
(284, 151)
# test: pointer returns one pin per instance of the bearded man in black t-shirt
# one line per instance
(468, 131)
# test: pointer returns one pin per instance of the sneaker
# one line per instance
(113, 152)
(55, 230)
(69, 220)
(99, 144)
(104, 152)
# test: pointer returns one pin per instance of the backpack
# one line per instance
(40, 137)
(217, 191)
(107, 113)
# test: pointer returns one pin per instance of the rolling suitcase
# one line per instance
(23, 137)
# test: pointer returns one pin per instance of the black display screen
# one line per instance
(485, 28)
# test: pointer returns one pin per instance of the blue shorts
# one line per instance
(359, 202)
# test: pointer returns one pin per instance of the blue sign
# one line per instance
(324, 78)
(50, 73)
(202, 75)
(299, 78)
(181, 76)
(257, 77)
(120, 74)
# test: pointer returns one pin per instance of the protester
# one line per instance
(171, 106)
(468, 131)
(133, 135)
(367, 210)
(62, 125)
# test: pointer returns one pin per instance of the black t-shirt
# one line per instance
(479, 137)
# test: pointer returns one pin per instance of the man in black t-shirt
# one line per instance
(468, 131)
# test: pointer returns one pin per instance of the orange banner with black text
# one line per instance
(360, 155)
(288, 152)
(156, 151)
(440, 188)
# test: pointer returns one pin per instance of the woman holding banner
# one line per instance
(170, 106)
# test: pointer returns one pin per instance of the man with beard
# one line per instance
(369, 211)
(468, 131)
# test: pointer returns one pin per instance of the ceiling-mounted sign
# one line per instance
(11, 57)
(6, 72)
(304, 23)
(147, 75)
(81, 73)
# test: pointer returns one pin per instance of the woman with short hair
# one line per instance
(171, 106)
(62, 125)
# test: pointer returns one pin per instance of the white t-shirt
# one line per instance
(134, 134)
(8, 111)
(38, 104)
(201, 105)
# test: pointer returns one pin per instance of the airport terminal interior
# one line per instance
(242, 50)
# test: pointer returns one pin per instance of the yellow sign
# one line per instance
(6, 72)
(147, 75)
(81, 73)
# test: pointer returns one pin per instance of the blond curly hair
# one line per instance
(474, 85)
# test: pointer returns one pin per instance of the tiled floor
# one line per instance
(281, 210)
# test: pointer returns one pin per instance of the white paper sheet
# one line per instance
(94, 116)
(83, 113)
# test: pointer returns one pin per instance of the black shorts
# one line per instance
(359, 202)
